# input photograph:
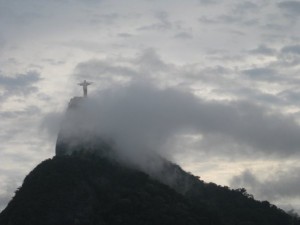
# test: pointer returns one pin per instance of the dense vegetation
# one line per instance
(92, 190)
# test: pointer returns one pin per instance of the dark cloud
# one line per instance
(246, 7)
(239, 19)
(2, 42)
(21, 80)
(21, 84)
(9, 133)
(291, 95)
(237, 32)
(239, 14)
(163, 24)
(206, 20)
(253, 95)
(289, 56)
(275, 27)
(280, 184)
(88, 1)
(270, 74)
(109, 19)
(104, 71)
(155, 26)
(291, 49)
(28, 111)
(261, 73)
(209, 75)
(264, 50)
(54, 62)
(232, 18)
(125, 35)
(90, 46)
(183, 35)
(19, 13)
(208, 2)
(291, 7)
(147, 62)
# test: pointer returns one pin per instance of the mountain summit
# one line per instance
(86, 183)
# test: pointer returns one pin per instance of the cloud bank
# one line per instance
(144, 117)
(280, 184)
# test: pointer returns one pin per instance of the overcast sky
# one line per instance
(227, 69)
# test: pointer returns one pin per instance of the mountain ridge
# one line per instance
(84, 188)
(87, 183)
(93, 190)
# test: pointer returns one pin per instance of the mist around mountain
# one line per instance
(93, 181)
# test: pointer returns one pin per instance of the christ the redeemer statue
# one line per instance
(84, 85)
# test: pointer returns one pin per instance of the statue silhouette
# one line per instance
(84, 85)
